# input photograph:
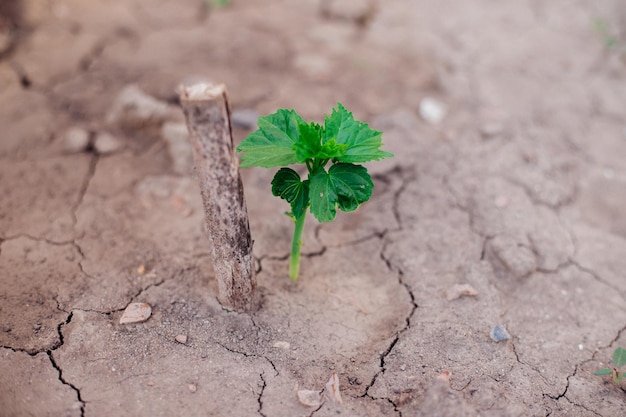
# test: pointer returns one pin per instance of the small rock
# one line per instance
(6, 329)
(281, 345)
(432, 111)
(181, 338)
(75, 140)
(491, 129)
(352, 380)
(499, 333)
(150, 383)
(192, 387)
(403, 367)
(309, 398)
(37, 327)
(141, 269)
(136, 313)
(106, 143)
(460, 290)
(176, 136)
(245, 118)
(135, 109)
(331, 390)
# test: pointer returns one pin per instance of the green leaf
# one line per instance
(287, 185)
(362, 142)
(331, 149)
(310, 141)
(619, 357)
(323, 197)
(344, 186)
(604, 371)
(310, 145)
(272, 144)
(352, 184)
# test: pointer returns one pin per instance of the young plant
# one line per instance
(285, 138)
(619, 360)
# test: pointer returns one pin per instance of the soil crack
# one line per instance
(36, 239)
(394, 342)
(93, 162)
(260, 397)
(248, 355)
(56, 366)
(406, 180)
(69, 384)
(139, 292)
(597, 277)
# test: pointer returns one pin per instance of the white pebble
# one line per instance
(432, 111)
(281, 345)
(75, 140)
(106, 143)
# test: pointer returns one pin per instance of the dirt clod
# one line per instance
(309, 398)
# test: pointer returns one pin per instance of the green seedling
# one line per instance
(603, 28)
(285, 138)
(619, 360)
(208, 4)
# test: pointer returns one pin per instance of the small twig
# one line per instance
(217, 167)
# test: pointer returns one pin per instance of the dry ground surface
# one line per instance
(519, 192)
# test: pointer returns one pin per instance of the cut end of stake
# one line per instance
(201, 91)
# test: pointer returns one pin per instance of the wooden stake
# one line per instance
(217, 167)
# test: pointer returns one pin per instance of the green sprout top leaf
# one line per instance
(619, 357)
(362, 142)
(285, 138)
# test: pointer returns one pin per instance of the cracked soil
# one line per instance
(519, 193)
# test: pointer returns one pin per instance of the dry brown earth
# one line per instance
(519, 192)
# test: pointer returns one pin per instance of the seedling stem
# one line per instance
(296, 244)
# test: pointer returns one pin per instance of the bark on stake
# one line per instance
(217, 167)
